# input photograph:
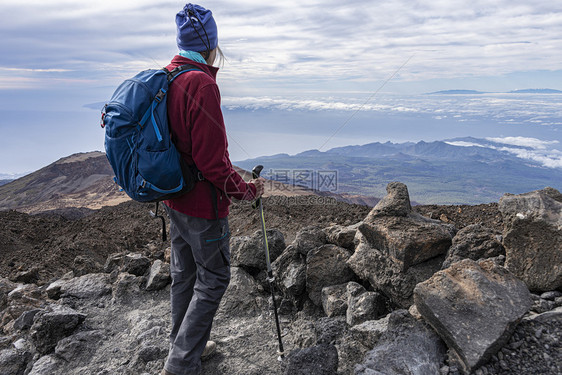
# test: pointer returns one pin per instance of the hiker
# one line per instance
(200, 257)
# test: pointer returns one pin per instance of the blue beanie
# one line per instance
(197, 30)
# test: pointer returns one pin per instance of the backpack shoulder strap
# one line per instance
(179, 70)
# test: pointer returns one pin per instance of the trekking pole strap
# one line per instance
(155, 215)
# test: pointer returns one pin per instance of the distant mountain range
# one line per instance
(456, 171)
(84, 181)
(474, 92)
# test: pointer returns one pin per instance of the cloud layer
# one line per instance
(509, 109)
(528, 148)
(285, 44)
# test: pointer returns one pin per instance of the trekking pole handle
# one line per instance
(255, 174)
(256, 171)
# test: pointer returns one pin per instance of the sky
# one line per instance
(299, 74)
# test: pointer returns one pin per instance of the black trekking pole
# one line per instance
(258, 203)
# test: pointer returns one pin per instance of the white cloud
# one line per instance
(550, 159)
(533, 143)
(547, 157)
(535, 149)
(465, 144)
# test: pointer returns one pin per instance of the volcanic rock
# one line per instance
(290, 271)
(84, 265)
(329, 330)
(91, 285)
(317, 360)
(533, 237)
(309, 238)
(401, 234)
(386, 275)
(248, 251)
(125, 288)
(334, 300)
(6, 286)
(135, 264)
(474, 242)
(47, 364)
(27, 276)
(369, 332)
(52, 325)
(407, 347)
(159, 275)
(242, 295)
(474, 307)
(14, 362)
(534, 348)
(25, 320)
(325, 266)
(341, 235)
(73, 346)
(395, 203)
(363, 305)
(23, 298)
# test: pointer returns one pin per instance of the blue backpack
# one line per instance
(145, 161)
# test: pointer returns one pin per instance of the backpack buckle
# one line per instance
(161, 94)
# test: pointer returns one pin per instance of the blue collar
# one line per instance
(192, 55)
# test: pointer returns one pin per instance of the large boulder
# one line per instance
(401, 234)
(53, 324)
(474, 242)
(325, 266)
(533, 237)
(388, 276)
(248, 251)
(408, 346)
(474, 307)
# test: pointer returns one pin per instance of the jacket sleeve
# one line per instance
(210, 146)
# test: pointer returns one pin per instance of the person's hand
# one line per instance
(259, 183)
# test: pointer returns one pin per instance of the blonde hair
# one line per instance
(219, 57)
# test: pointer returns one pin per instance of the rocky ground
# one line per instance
(50, 242)
(87, 292)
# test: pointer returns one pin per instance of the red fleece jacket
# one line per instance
(198, 131)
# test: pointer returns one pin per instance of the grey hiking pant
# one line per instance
(200, 268)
